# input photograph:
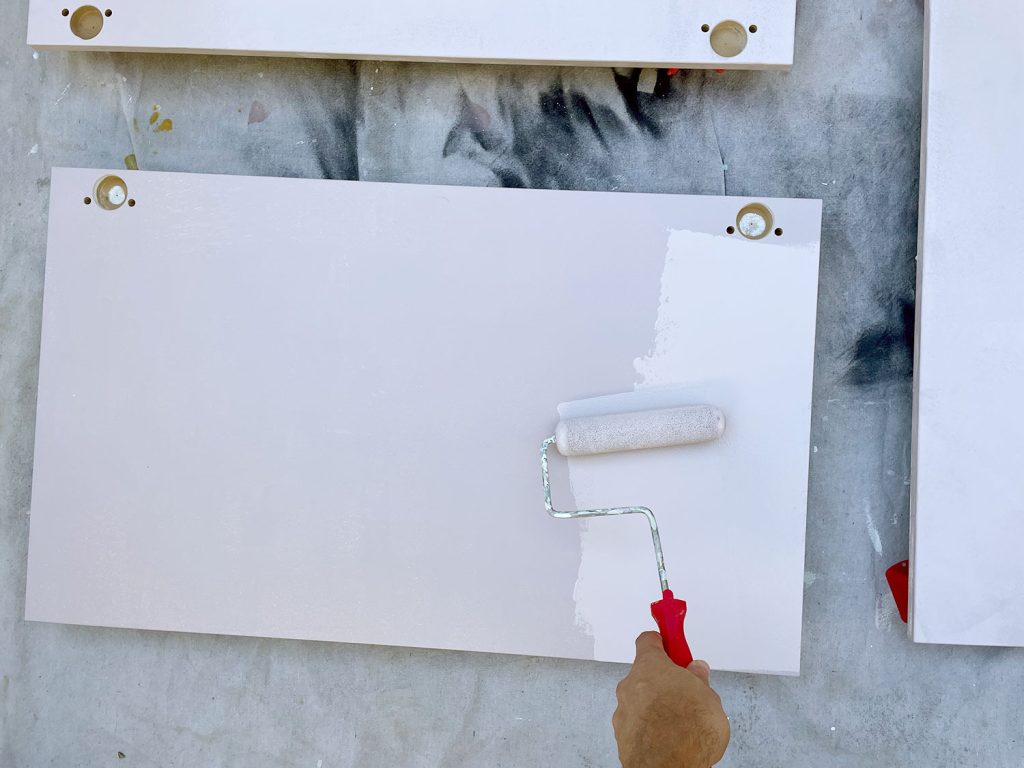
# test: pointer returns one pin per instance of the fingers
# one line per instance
(701, 670)
(649, 645)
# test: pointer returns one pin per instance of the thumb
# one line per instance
(649, 646)
(701, 670)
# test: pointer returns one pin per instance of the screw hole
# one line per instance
(108, 13)
(87, 200)
(131, 204)
(703, 27)
(730, 230)
(753, 27)
(65, 12)
(778, 231)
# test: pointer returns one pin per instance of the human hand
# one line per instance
(668, 717)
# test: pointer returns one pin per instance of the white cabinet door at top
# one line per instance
(313, 409)
(740, 34)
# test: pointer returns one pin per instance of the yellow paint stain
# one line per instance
(131, 162)
(154, 117)
(165, 125)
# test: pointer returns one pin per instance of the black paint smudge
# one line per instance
(628, 84)
(884, 351)
(558, 139)
(332, 118)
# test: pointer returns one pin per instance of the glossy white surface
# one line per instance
(968, 509)
(313, 409)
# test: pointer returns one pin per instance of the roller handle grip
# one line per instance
(670, 613)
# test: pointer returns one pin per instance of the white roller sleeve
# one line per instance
(587, 435)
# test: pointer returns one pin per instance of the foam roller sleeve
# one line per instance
(587, 435)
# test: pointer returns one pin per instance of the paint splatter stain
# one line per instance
(258, 112)
(160, 126)
(131, 162)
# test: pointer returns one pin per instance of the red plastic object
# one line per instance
(898, 577)
(670, 614)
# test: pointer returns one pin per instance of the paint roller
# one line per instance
(591, 435)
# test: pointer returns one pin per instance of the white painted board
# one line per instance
(967, 571)
(663, 33)
(314, 409)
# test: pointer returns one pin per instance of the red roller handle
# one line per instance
(670, 614)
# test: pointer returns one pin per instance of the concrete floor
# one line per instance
(842, 126)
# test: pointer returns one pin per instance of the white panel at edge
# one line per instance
(664, 33)
(313, 409)
(967, 567)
